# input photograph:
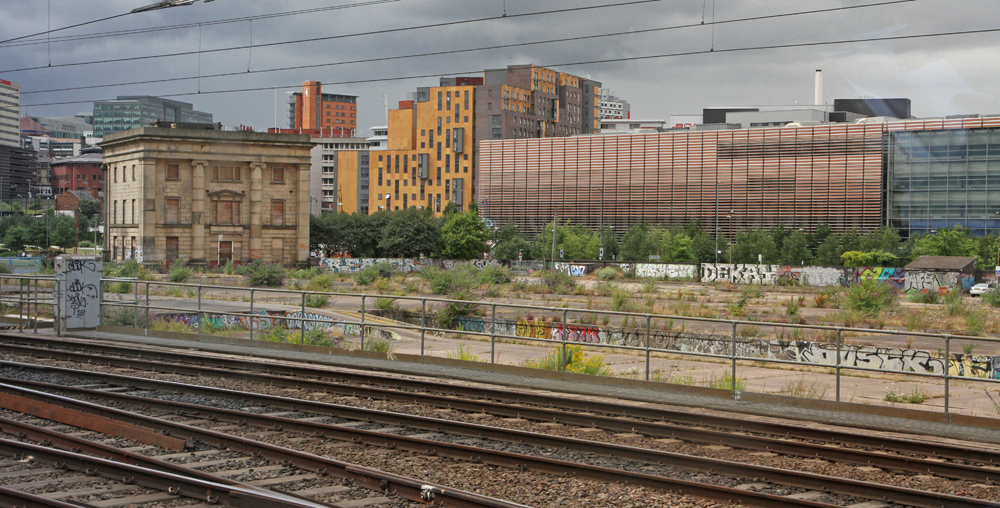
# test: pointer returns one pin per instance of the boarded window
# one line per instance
(277, 213)
(173, 246)
(278, 175)
(173, 207)
(226, 173)
(225, 212)
(277, 250)
(225, 252)
(173, 171)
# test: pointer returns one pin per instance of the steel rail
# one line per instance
(375, 438)
(196, 488)
(427, 447)
(75, 444)
(898, 445)
(832, 453)
(372, 479)
(10, 498)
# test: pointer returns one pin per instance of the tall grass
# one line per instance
(576, 361)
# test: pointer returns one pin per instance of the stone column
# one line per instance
(257, 210)
(198, 216)
(302, 212)
(147, 220)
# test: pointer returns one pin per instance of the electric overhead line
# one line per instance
(570, 64)
(140, 31)
(345, 36)
(467, 50)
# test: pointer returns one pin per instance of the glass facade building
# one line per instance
(945, 178)
(127, 113)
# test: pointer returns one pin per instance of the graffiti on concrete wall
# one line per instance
(575, 270)
(739, 273)
(815, 276)
(661, 270)
(930, 281)
(403, 265)
(265, 320)
(527, 267)
(894, 276)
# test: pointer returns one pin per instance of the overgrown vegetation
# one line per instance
(893, 394)
(260, 274)
(463, 353)
(870, 297)
(576, 361)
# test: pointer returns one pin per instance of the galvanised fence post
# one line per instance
(493, 334)
(20, 304)
(135, 306)
(840, 338)
(302, 323)
(564, 342)
(648, 319)
(947, 371)
(250, 322)
(423, 324)
(145, 326)
(735, 393)
(362, 331)
(199, 309)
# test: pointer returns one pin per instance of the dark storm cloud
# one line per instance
(945, 75)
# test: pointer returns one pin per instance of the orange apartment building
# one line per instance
(312, 109)
(431, 152)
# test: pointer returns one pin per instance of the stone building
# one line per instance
(194, 192)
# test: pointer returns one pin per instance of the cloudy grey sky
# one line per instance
(942, 75)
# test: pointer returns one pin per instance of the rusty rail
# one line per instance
(462, 452)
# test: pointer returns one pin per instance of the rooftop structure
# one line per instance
(132, 112)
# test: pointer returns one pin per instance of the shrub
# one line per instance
(792, 307)
(924, 296)
(446, 282)
(621, 300)
(914, 397)
(380, 344)
(463, 353)
(577, 362)
(315, 301)
(497, 274)
(179, 273)
(726, 382)
(386, 304)
(87, 244)
(321, 283)
(608, 273)
(275, 333)
(322, 337)
(229, 268)
(870, 297)
(991, 298)
(451, 311)
(649, 287)
(260, 274)
(557, 281)
(124, 316)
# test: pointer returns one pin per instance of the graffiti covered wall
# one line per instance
(265, 320)
(407, 265)
(930, 281)
(815, 276)
(661, 270)
(739, 273)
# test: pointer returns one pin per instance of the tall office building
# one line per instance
(10, 113)
(528, 101)
(614, 107)
(429, 161)
(132, 112)
(312, 109)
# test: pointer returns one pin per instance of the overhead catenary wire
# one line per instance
(345, 36)
(50, 31)
(137, 31)
(466, 50)
(576, 63)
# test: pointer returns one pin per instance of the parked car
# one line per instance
(982, 287)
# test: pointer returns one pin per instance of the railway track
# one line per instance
(622, 458)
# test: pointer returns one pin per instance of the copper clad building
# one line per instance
(736, 179)
(207, 196)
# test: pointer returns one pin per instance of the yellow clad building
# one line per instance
(429, 161)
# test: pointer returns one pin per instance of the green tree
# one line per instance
(749, 245)
(795, 249)
(819, 236)
(411, 233)
(510, 242)
(885, 239)
(464, 236)
(606, 238)
(870, 258)
(946, 242)
(676, 247)
(639, 242)
(988, 246)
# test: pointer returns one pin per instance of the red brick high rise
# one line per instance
(313, 109)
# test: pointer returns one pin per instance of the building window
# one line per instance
(173, 171)
(133, 213)
(172, 211)
(226, 173)
(277, 175)
(114, 213)
(133, 172)
(277, 213)
(226, 211)
(440, 102)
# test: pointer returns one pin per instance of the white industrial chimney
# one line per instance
(819, 87)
